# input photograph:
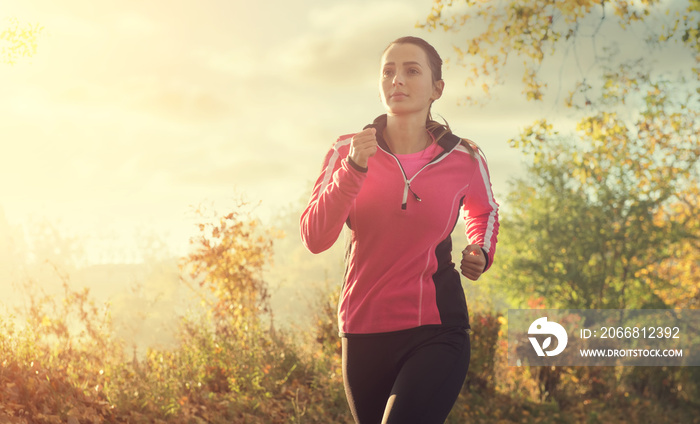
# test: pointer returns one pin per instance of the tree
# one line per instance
(675, 278)
(18, 41)
(602, 217)
(229, 256)
(596, 213)
(582, 236)
(498, 32)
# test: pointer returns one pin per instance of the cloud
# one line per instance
(240, 60)
(134, 24)
(192, 105)
(344, 42)
(238, 171)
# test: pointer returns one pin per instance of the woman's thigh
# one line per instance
(369, 372)
(430, 380)
(406, 376)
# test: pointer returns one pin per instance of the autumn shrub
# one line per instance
(666, 384)
(33, 393)
(213, 378)
(484, 336)
(231, 365)
(53, 365)
(326, 394)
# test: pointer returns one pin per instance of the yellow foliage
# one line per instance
(536, 29)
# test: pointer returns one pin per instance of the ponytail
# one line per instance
(439, 130)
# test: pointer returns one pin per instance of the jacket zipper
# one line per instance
(407, 182)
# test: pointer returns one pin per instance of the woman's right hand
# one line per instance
(363, 146)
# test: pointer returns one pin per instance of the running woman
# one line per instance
(398, 186)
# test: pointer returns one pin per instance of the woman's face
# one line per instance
(406, 81)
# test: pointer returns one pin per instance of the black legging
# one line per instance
(406, 377)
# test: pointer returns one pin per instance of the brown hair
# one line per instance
(435, 62)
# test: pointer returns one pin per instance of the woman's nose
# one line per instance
(398, 79)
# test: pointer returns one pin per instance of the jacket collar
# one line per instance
(447, 142)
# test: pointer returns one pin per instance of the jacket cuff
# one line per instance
(486, 255)
(356, 166)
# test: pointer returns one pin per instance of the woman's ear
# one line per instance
(438, 86)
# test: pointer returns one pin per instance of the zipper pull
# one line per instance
(413, 193)
(406, 189)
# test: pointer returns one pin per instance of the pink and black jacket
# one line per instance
(399, 270)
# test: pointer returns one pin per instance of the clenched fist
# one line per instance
(473, 262)
(363, 146)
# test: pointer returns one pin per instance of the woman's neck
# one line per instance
(406, 134)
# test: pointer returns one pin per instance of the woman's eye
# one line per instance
(387, 72)
(413, 71)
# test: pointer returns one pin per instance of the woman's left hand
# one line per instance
(473, 262)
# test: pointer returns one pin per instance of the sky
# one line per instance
(132, 112)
